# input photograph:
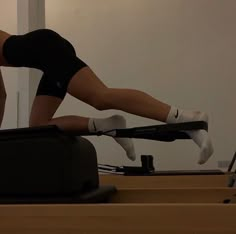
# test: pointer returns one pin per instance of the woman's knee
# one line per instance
(43, 110)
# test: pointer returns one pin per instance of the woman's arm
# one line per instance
(3, 96)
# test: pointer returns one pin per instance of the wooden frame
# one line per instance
(183, 210)
(165, 181)
(175, 195)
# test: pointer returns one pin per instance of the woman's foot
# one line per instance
(200, 137)
(114, 122)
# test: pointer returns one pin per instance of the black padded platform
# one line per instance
(45, 165)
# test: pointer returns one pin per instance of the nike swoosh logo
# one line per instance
(94, 126)
(177, 114)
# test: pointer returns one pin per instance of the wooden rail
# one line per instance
(175, 195)
(165, 181)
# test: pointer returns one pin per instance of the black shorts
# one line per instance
(46, 50)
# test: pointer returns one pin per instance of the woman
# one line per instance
(64, 72)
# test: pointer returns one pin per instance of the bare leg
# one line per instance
(86, 86)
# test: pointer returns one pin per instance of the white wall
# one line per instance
(30, 16)
(8, 22)
(180, 51)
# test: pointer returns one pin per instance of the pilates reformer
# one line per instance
(48, 165)
(57, 147)
(69, 163)
(49, 184)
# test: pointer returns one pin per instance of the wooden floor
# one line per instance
(146, 206)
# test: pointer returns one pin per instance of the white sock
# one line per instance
(114, 122)
(200, 137)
